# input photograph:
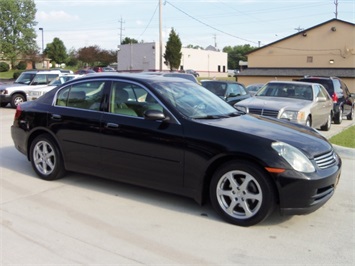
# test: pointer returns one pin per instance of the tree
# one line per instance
(94, 56)
(237, 53)
(17, 34)
(194, 47)
(129, 40)
(173, 53)
(56, 51)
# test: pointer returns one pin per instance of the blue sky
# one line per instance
(80, 23)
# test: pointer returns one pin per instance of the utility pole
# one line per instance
(336, 8)
(121, 28)
(160, 38)
(215, 40)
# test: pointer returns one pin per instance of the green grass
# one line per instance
(345, 138)
(7, 75)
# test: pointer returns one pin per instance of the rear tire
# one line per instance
(339, 118)
(45, 158)
(350, 116)
(328, 124)
(242, 193)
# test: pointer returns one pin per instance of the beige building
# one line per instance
(327, 49)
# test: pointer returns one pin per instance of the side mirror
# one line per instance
(155, 115)
(321, 99)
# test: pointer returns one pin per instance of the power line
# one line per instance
(226, 33)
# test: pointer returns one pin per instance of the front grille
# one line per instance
(265, 112)
(325, 160)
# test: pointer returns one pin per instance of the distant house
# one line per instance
(327, 49)
(140, 57)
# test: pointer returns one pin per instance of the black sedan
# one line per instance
(230, 91)
(173, 135)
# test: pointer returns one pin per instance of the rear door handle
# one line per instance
(112, 125)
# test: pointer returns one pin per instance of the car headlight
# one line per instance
(294, 157)
(290, 115)
(241, 108)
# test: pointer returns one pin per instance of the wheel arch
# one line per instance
(229, 158)
(37, 133)
(19, 92)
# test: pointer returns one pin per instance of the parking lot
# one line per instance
(84, 220)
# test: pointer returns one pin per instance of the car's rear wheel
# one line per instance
(16, 99)
(242, 193)
(45, 158)
(339, 117)
(350, 116)
(328, 124)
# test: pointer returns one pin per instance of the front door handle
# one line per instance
(56, 117)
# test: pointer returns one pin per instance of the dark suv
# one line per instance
(342, 98)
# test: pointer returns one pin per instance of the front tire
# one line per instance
(309, 122)
(45, 158)
(16, 99)
(242, 193)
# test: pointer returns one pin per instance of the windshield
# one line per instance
(193, 100)
(287, 90)
(60, 80)
(25, 78)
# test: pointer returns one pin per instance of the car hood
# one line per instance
(5, 86)
(304, 138)
(275, 103)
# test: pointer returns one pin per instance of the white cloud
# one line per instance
(55, 16)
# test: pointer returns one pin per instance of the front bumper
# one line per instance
(5, 98)
(307, 194)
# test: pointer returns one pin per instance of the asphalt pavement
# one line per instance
(84, 220)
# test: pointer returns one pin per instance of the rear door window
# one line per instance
(85, 95)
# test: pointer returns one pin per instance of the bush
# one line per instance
(17, 74)
(4, 67)
(21, 65)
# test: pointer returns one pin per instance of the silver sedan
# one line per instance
(300, 102)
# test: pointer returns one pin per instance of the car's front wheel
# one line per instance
(45, 158)
(242, 193)
(16, 99)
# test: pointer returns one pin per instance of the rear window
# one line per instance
(327, 83)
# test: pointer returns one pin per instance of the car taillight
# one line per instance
(18, 112)
(335, 97)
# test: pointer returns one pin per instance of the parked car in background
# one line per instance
(84, 71)
(35, 93)
(232, 72)
(103, 69)
(173, 135)
(343, 100)
(230, 91)
(300, 102)
(174, 74)
(192, 72)
(253, 88)
(16, 93)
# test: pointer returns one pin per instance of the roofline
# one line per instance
(297, 33)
